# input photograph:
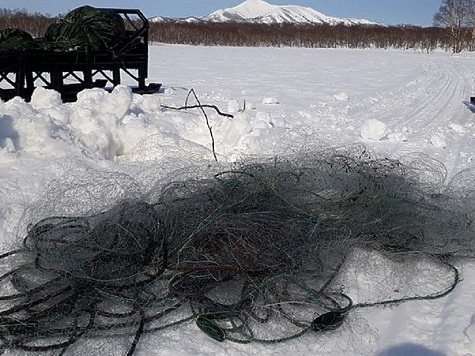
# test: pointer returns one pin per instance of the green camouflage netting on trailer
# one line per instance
(15, 39)
(86, 27)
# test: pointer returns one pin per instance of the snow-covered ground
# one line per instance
(282, 99)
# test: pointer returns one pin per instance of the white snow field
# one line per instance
(393, 102)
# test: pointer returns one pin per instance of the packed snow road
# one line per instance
(283, 99)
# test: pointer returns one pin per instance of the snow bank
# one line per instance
(110, 125)
(101, 124)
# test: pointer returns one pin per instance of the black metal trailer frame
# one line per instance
(69, 72)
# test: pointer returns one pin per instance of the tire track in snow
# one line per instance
(432, 100)
(448, 114)
(421, 101)
(446, 105)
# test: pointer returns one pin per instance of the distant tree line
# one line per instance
(34, 23)
(313, 36)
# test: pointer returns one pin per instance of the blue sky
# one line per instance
(392, 12)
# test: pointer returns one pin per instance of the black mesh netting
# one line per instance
(254, 253)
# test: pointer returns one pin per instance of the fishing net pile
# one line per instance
(253, 253)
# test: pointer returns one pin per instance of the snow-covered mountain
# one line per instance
(169, 19)
(259, 11)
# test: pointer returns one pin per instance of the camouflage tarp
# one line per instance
(83, 28)
(87, 27)
(16, 39)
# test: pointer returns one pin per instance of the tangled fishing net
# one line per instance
(253, 253)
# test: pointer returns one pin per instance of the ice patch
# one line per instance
(96, 132)
(233, 106)
(263, 116)
(397, 137)
(118, 102)
(457, 128)
(342, 96)
(8, 134)
(261, 125)
(149, 103)
(233, 130)
(469, 333)
(169, 91)
(374, 130)
(438, 140)
(279, 122)
(91, 97)
(45, 98)
(269, 101)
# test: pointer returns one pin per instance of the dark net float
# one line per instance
(253, 253)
